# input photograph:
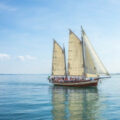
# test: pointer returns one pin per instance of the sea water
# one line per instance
(31, 97)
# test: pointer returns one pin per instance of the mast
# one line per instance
(53, 55)
(83, 52)
(65, 60)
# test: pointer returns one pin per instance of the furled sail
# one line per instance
(75, 59)
(58, 63)
(93, 65)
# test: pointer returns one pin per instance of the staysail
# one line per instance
(58, 63)
(75, 59)
(93, 65)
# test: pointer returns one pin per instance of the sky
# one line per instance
(28, 27)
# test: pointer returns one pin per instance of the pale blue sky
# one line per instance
(27, 28)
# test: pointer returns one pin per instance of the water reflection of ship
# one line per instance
(75, 104)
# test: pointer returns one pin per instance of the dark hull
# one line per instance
(78, 84)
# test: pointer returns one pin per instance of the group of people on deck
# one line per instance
(68, 79)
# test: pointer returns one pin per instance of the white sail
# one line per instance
(75, 59)
(58, 64)
(90, 69)
(93, 64)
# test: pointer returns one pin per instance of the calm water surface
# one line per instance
(31, 97)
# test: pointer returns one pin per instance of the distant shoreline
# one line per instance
(114, 73)
(39, 74)
(22, 74)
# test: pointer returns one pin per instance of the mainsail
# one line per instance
(75, 59)
(93, 65)
(58, 63)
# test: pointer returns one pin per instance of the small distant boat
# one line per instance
(84, 67)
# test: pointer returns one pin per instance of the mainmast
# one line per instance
(65, 60)
(83, 52)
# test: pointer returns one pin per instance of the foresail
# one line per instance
(75, 58)
(58, 64)
(93, 63)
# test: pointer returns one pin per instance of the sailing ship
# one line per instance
(84, 67)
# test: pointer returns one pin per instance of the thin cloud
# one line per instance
(26, 57)
(22, 58)
(4, 56)
(30, 57)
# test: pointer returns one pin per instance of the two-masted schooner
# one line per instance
(84, 66)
